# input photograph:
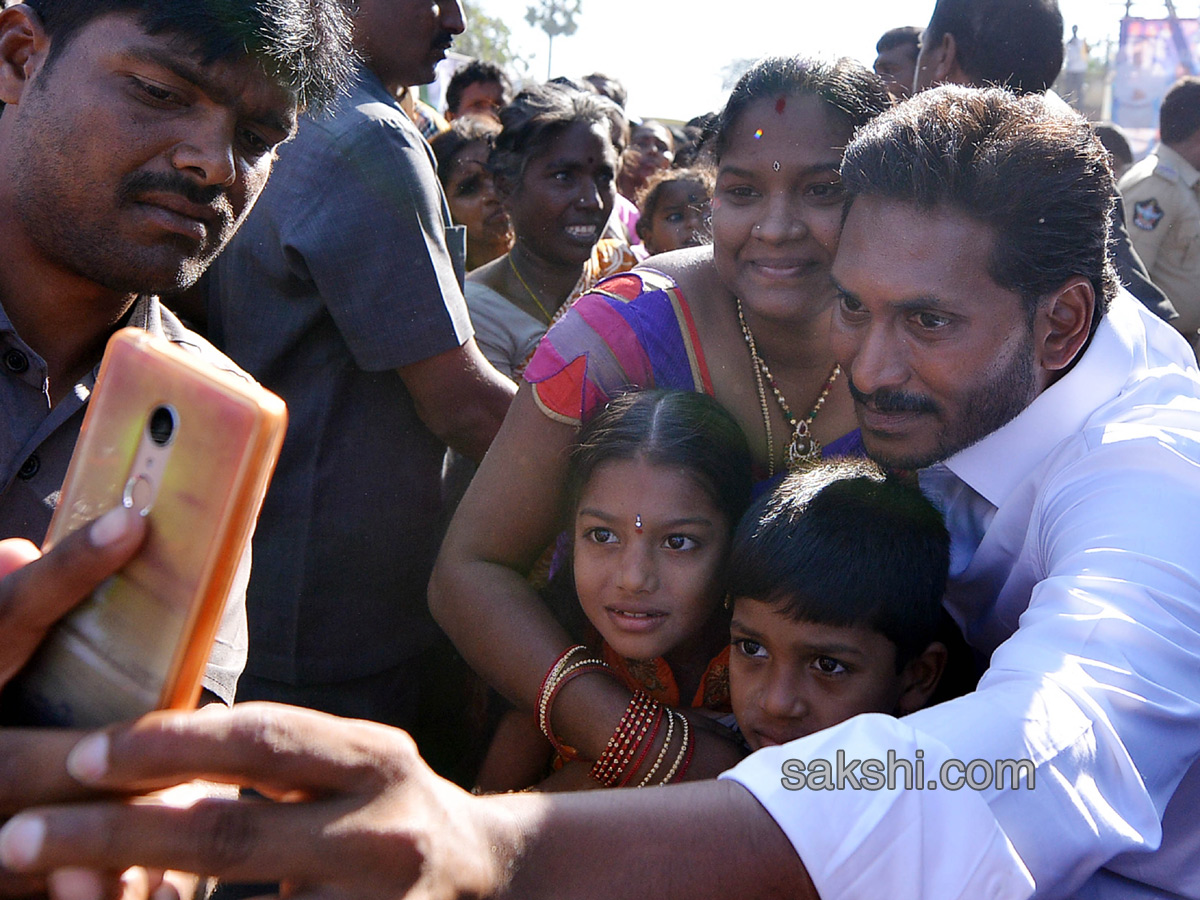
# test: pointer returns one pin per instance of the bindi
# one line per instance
(780, 105)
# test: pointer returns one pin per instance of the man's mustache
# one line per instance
(176, 183)
(888, 401)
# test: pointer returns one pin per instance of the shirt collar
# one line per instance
(147, 314)
(1059, 411)
(1187, 172)
(372, 86)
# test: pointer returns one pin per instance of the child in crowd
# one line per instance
(836, 581)
(659, 480)
(674, 209)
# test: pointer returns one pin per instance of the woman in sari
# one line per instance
(746, 320)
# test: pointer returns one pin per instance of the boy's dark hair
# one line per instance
(848, 89)
(537, 116)
(1179, 115)
(477, 71)
(1014, 43)
(843, 544)
(680, 429)
(648, 196)
(462, 133)
(305, 44)
(1036, 176)
(899, 37)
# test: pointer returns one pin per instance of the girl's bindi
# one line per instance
(780, 105)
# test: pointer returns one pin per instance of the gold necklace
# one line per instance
(512, 265)
(803, 447)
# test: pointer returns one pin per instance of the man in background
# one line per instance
(342, 294)
(1017, 44)
(1162, 205)
(896, 63)
(479, 88)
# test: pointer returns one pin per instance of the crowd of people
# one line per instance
(832, 453)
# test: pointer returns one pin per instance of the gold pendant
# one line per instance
(804, 448)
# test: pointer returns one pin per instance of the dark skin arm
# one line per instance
(364, 817)
(460, 397)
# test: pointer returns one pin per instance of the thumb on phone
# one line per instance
(36, 589)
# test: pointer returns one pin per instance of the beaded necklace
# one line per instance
(534, 297)
(803, 447)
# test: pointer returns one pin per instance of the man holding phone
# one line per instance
(135, 137)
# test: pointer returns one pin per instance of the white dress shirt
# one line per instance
(1076, 569)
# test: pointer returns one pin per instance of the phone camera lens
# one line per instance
(162, 425)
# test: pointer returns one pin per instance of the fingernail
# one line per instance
(110, 527)
(88, 761)
(76, 884)
(21, 841)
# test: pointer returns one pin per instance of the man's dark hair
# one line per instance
(899, 37)
(1014, 43)
(537, 116)
(1036, 176)
(843, 544)
(1179, 115)
(477, 71)
(305, 44)
(607, 86)
(850, 91)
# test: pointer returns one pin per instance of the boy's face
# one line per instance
(788, 679)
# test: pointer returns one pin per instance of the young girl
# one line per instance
(658, 482)
(675, 209)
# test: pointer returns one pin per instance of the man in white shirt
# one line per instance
(1057, 422)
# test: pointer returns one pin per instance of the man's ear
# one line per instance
(23, 48)
(1063, 323)
(920, 678)
(941, 62)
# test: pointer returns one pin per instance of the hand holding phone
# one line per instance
(191, 448)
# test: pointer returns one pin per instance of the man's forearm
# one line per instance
(707, 839)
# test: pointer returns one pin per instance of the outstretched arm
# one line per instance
(356, 813)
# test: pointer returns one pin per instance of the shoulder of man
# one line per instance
(366, 104)
(1150, 190)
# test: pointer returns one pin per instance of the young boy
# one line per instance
(836, 579)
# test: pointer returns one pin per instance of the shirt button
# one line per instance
(15, 361)
(29, 468)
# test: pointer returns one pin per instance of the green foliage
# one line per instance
(487, 38)
(555, 17)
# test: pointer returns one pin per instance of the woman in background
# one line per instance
(555, 165)
(462, 157)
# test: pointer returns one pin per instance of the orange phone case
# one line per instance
(141, 641)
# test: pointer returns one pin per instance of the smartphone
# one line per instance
(191, 448)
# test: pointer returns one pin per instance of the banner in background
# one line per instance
(1152, 56)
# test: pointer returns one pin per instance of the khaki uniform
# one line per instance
(1162, 213)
